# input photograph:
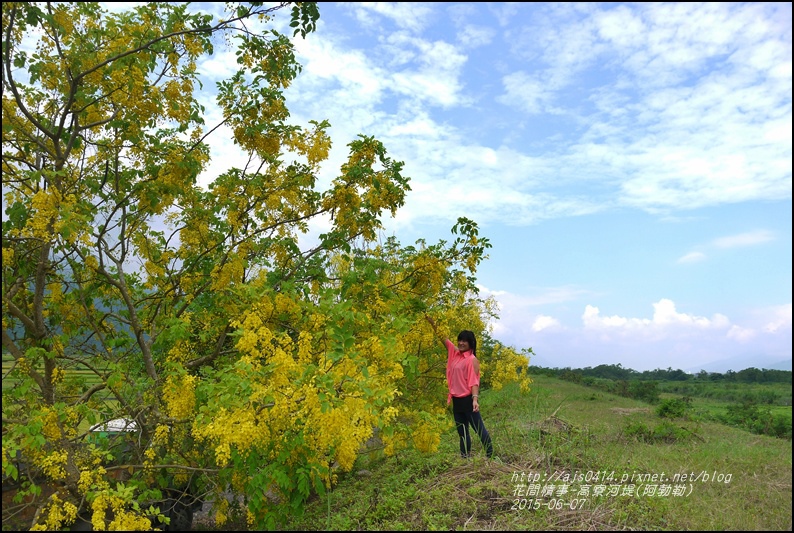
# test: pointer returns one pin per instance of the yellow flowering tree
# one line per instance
(237, 360)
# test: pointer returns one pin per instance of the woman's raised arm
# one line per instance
(441, 339)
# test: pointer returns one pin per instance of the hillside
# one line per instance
(672, 475)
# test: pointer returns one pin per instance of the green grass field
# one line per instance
(767, 393)
(709, 407)
(563, 428)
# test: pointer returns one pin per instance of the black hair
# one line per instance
(468, 336)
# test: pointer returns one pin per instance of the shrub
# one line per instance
(637, 431)
(674, 408)
(646, 391)
(666, 432)
(752, 417)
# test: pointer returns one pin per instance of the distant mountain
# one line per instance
(740, 363)
(782, 365)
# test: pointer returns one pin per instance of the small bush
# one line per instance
(574, 377)
(669, 432)
(637, 431)
(646, 391)
(666, 432)
(760, 420)
(674, 408)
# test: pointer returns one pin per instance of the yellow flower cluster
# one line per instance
(51, 429)
(54, 464)
(153, 270)
(426, 438)
(193, 236)
(123, 520)
(8, 257)
(239, 481)
(223, 453)
(180, 352)
(179, 395)
(392, 444)
(221, 511)
(315, 145)
(44, 205)
(161, 434)
(59, 513)
(226, 274)
(508, 366)
(286, 305)
(343, 429)
(92, 478)
(305, 346)
(91, 262)
(23, 364)
(58, 374)
(241, 428)
(181, 477)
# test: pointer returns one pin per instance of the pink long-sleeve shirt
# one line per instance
(461, 376)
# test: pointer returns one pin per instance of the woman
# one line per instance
(463, 381)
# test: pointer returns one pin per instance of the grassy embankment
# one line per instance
(564, 428)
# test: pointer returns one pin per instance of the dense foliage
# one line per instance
(246, 362)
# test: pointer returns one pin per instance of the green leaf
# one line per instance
(20, 59)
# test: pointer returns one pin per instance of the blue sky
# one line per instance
(630, 163)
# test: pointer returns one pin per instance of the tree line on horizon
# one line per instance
(619, 372)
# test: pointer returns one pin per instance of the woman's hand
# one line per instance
(435, 330)
(476, 405)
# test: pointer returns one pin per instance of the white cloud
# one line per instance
(505, 12)
(620, 26)
(668, 339)
(354, 79)
(592, 319)
(545, 322)
(781, 319)
(518, 315)
(744, 239)
(741, 334)
(488, 292)
(664, 316)
(407, 15)
(422, 126)
(540, 296)
(472, 36)
(525, 91)
(692, 257)
(750, 238)
(435, 76)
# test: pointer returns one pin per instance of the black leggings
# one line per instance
(465, 417)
